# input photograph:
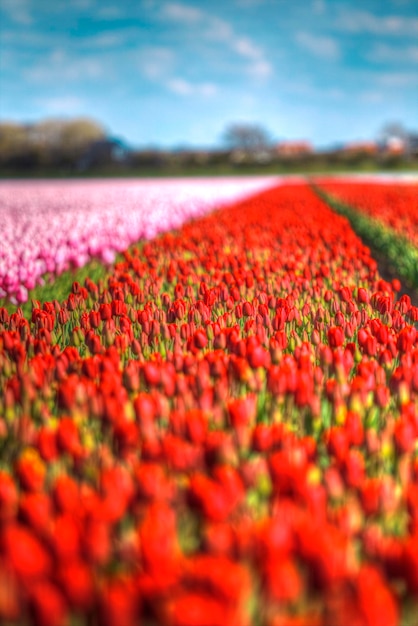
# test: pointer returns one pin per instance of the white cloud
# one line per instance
(214, 29)
(397, 79)
(47, 41)
(261, 69)
(156, 62)
(246, 48)
(183, 87)
(18, 11)
(180, 86)
(84, 5)
(324, 47)
(312, 91)
(318, 6)
(62, 67)
(182, 13)
(334, 93)
(363, 21)
(62, 105)
(386, 53)
(106, 40)
(208, 89)
(372, 96)
(248, 3)
(109, 13)
(30, 38)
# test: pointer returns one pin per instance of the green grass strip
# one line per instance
(59, 287)
(396, 251)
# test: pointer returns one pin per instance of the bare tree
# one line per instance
(246, 137)
(392, 132)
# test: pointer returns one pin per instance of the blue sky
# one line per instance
(170, 74)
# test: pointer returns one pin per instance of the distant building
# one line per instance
(361, 147)
(394, 139)
(294, 148)
(395, 145)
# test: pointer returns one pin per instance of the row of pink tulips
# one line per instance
(50, 226)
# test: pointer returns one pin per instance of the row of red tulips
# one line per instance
(393, 204)
(223, 433)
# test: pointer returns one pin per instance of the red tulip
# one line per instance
(282, 580)
(118, 604)
(8, 497)
(370, 495)
(10, 601)
(76, 582)
(47, 605)
(25, 554)
(242, 411)
(189, 608)
(30, 470)
(66, 494)
(36, 511)
(377, 602)
(68, 438)
(96, 541)
(405, 434)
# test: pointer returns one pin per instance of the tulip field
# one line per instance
(223, 429)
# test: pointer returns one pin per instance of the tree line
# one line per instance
(82, 145)
(48, 143)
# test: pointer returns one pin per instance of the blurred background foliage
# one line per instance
(83, 147)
